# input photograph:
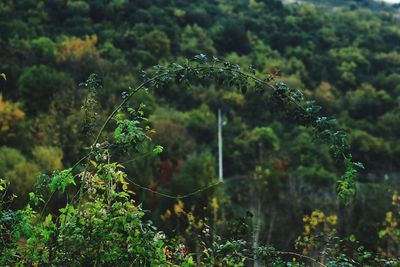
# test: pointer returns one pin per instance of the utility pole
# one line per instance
(220, 164)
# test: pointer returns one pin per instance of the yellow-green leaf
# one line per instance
(47, 220)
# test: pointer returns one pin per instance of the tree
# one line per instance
(156, 43)
(10, 116)
(367, 100)
(44, 50)
(195, 40)
(48, 158)
(37, 85)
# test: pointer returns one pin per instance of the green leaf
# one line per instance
(201, 58)
(3, 184)
(32, 196)
(158, 149)
(359, 165)
(61, 180)
(244, 89)
(382, 233)
(54, 183)
(117, 132)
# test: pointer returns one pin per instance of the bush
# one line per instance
(48, 158)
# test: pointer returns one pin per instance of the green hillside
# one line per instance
(301, 88)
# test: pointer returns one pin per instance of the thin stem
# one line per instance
(301, 256)
(138, 157)
(178, 196)
(123, 102)
(79, 161)
(45, 205)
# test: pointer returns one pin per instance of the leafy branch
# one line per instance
(292, 101)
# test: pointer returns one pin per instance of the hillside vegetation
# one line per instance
(280, 74)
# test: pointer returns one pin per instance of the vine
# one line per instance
(108, 227)
(291, 100)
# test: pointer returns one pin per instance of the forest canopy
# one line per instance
(310, 101)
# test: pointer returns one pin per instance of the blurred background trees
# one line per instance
(345, 57)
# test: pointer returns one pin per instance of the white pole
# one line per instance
(220, 166)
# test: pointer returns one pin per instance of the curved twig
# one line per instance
(301, 256)
(178, 196)
(191, 69)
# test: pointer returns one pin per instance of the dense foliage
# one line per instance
(291, 178)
